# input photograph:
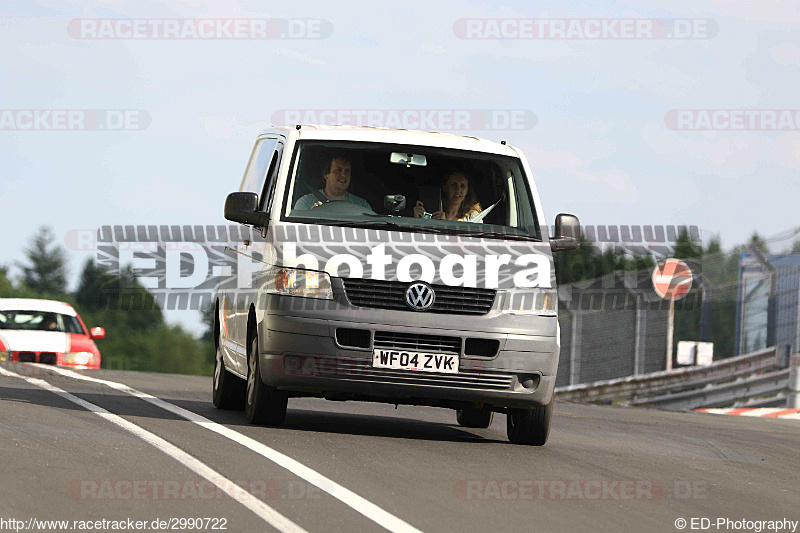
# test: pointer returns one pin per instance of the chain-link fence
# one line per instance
(611, 328)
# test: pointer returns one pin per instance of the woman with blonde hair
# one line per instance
(458, 200)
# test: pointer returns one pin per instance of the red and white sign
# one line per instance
(672, 279)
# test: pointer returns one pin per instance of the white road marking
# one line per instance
(262, 510)
(344, 495)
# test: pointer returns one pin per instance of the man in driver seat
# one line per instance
(337, 181)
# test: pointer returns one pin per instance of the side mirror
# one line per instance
(567, 233)
(97, 332)
(242, 207)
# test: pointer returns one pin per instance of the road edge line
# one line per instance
(262, 510)
(363, 506)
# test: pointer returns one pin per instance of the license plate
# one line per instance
(417, 361)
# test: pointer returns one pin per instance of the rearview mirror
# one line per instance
(567, 233)
(394, 202)
(242, 207)
(416, 160)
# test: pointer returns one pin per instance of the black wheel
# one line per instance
(264, 404)
(529, 426)
(228, 390)
(474, 418)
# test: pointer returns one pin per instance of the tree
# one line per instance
(100, 290)
(577, 265)
(757, 241)
(46, 272)
(714, 246)
(207, 317)
(5, 284)
(93, 285)
(686, 248)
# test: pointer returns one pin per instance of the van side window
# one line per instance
(265, 199)
(253, 180)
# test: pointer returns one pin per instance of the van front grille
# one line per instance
(380, 294)
(412, 342)
(362, 370)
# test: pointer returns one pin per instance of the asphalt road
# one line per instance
(603, 469)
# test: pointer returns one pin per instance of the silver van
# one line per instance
(391, 266)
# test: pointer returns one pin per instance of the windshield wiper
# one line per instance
(390, 224)
(497, 235)
(379, 224)
(425, 229)
(356, 224)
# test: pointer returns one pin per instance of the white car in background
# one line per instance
(46, 331)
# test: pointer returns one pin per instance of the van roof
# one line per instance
(398, 136)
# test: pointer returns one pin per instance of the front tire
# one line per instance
(530, 426)
(227, 390)
(471, 417)
(264, 405)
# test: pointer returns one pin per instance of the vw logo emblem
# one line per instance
(420, 296)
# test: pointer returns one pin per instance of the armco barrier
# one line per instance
(759, 378)
(770, 387)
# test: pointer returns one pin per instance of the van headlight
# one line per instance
(79, 358)
(5, 355)
(300, 282)
(540, 302)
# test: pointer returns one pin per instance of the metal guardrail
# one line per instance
(759, 386)
(753, 378)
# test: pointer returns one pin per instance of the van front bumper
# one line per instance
(301, 356)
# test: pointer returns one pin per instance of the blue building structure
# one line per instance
(768, 310)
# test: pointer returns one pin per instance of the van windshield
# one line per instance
(409, 188)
